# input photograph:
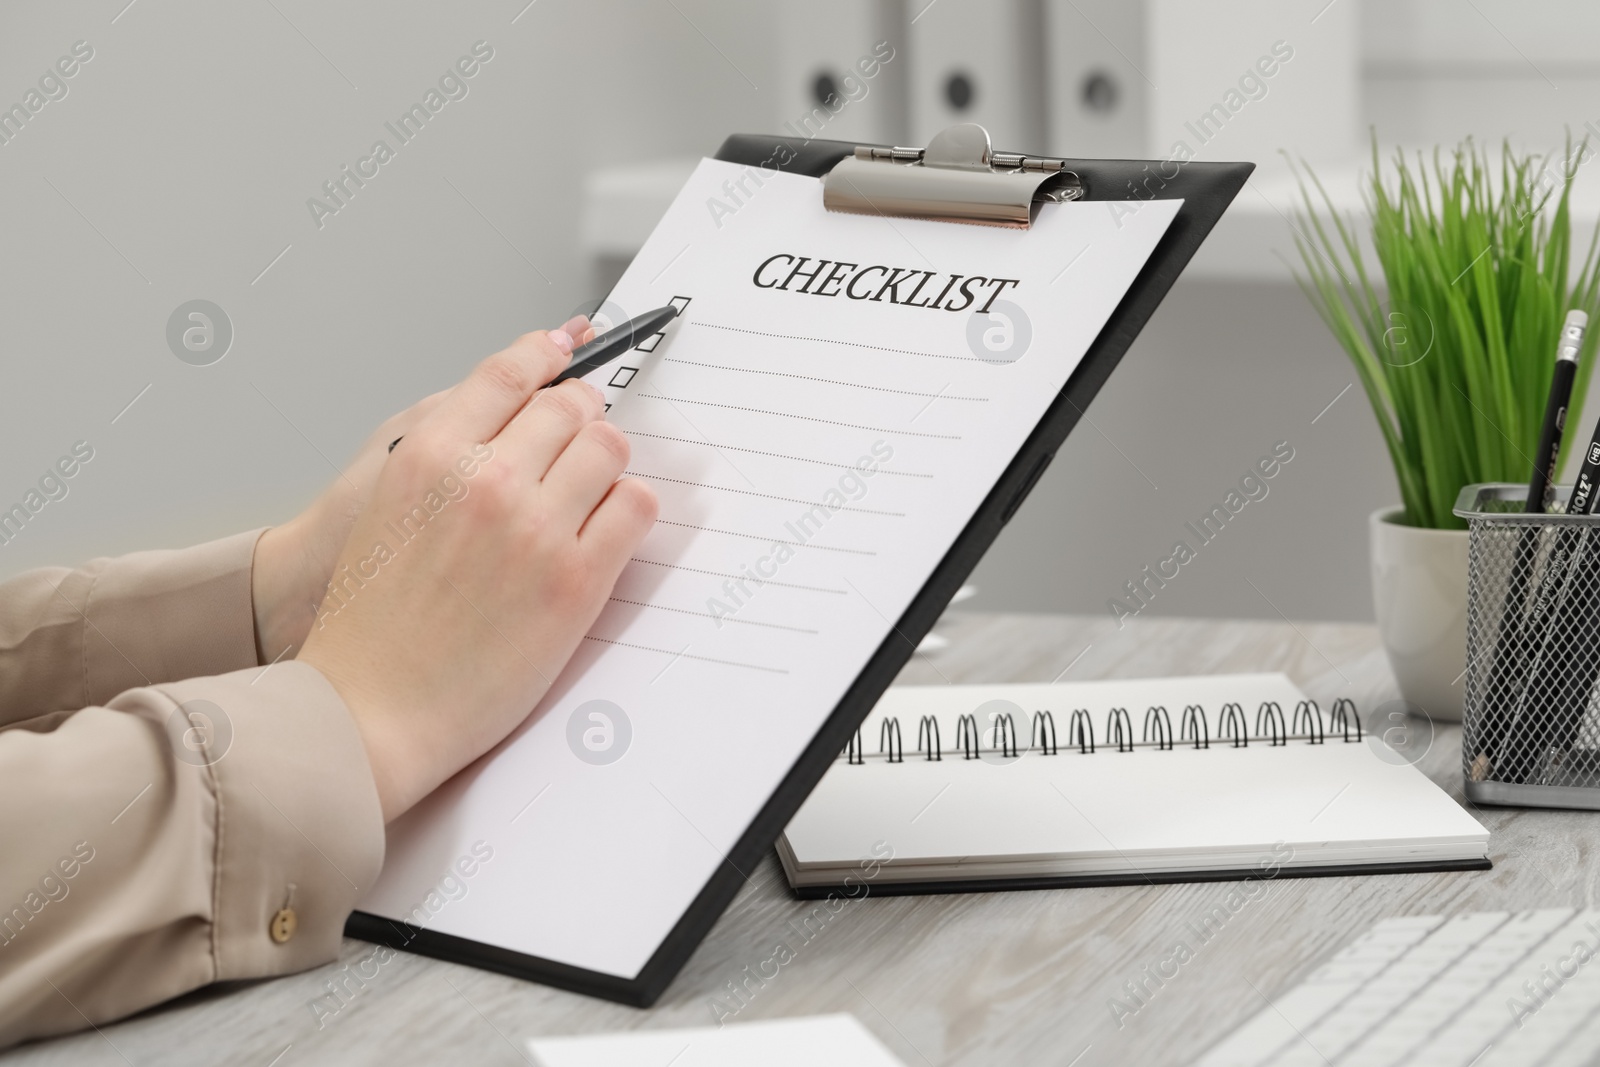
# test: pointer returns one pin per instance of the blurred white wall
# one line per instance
(1440, 70)
(179, 163)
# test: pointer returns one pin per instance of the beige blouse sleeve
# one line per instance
(171, 814)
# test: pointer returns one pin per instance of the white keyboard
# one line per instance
(1490, 989)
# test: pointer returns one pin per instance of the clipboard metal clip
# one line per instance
(957, 178)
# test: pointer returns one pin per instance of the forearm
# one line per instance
(73, 638)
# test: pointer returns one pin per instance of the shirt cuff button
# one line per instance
(283, 925)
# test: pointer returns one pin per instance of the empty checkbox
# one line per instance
(649, 343)
(623, 376)
(681, 303)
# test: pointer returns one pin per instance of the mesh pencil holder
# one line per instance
(1530, 732)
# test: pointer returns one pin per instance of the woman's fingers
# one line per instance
(482, 405)
(619, 523)
(584, 472)
(548, 423)
(579, 329)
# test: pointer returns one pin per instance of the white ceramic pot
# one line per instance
(1419, 592)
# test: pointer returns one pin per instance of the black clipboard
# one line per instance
(1206, 190)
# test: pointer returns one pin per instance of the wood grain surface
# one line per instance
(984, 978)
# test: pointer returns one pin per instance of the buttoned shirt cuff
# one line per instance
(299, 829)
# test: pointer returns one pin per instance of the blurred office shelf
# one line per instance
(1417, 71)
(1254, 242)
(622, 204)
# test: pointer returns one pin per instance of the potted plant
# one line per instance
(1455, 352)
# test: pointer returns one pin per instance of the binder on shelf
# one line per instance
(607, 873)
(1097, 77)
(839, 74)
(977, 61)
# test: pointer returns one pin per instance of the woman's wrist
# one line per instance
(386, 749)
(285, 588)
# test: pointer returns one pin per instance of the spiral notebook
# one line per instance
(1117, 782)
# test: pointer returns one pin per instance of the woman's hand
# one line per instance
(494, 535)
(294, 562)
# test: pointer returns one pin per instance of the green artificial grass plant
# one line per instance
(1457, 351)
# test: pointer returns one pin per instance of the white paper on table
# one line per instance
(837, 1040)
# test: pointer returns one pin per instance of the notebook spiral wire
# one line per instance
(1231, 727)
(967, 736)
(1157, 719)
(1194, 728)
(1043, 734)
(1119, 729)
(1082, 727)
(1305, 725)
(1276, 730)
(1312, 716)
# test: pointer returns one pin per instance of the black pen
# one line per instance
(606, 347)
(1519, 635)
(615, 341)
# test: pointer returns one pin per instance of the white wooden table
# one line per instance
(1021, 978)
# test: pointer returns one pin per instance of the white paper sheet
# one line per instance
(836, 1040)
(815, 456)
